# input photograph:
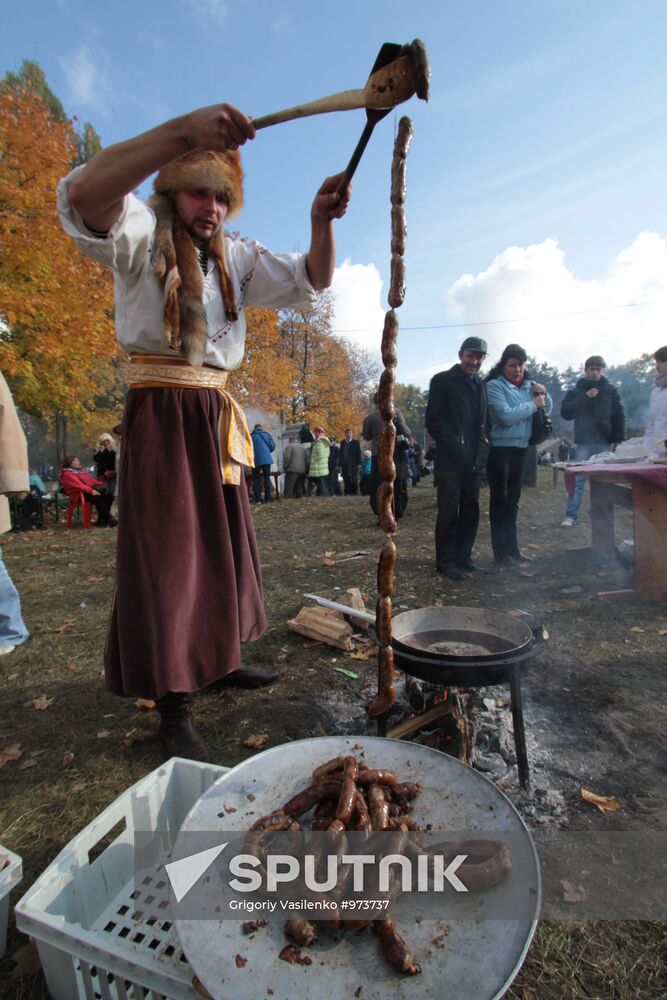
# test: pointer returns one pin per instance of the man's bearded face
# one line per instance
(202, 212)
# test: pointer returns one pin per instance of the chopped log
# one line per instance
(418, 721)
(324, 625)
(353, 599)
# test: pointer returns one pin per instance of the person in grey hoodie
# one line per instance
(599, 423)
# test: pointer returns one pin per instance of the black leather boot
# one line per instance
(177, 733)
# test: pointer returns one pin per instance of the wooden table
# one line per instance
(641, 488)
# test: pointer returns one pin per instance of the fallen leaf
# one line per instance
(348, 673)
(26, 961)
(70, 666)
(329, 562)
(257, 741)
(12, 752)
(26, 764)
(104, 734)
(573, 893)
(605, 803)
(95, 579)
(68, 757)
(662, 631)
(144, 703)
(311, 644)
(80, 786)
(42, 703)
(364, 654)
(67, 624)
(635, 628)
(200, 988)
(228, 809)
(240, 961)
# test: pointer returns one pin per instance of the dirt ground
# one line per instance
(593, 697)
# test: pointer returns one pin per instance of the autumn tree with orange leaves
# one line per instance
(56, 306)
(332, 378)
(296, 367)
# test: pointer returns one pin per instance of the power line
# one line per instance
(501, 322)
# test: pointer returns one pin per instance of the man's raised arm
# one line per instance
(98, 191)
(327, 206)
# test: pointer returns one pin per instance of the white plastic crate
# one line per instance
(11, 873)
(81, 913)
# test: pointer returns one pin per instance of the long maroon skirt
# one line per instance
(188, 581)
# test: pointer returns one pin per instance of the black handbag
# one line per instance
(542, 427)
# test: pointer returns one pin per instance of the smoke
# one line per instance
(270, 423)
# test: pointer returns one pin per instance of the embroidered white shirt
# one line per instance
(259, 278)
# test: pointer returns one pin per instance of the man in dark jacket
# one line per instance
(350, 461)
(599, 423)
(457, 420)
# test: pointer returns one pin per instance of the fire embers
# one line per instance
(386, 469)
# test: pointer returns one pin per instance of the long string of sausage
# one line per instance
(386, 468)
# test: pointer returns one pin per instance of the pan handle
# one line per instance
(356, 156)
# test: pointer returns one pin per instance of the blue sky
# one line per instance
(536, 189)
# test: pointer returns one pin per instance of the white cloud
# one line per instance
(213, 12)
(561, 318)
(358, 313)
(88, 82)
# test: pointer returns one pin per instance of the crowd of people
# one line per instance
(483, 428)
(314, 463)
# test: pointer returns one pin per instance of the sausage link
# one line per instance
(348, 792)
(396, 282)
(399, 176)
(383, 620)
(389, 334)
(373, 776)
(395, 949)
(399, 229)
(403, 137)
(386, 442)
(386, 694)
(385, 573)
(378, 807)
(386, 394)
(384, 497)
(386, 515)
(300, 930)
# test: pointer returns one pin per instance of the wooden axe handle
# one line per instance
(346, 100)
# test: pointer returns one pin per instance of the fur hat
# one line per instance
(203, 168)
(175, 260)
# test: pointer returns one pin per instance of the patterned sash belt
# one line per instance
(155, 371)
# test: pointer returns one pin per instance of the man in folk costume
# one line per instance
(189, 587)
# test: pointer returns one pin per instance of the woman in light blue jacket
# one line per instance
(513, 399)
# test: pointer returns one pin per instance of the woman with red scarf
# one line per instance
(513, 399)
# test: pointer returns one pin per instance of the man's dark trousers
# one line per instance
(351, 483)
(458, 514)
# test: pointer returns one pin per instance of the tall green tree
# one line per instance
(31, 78)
